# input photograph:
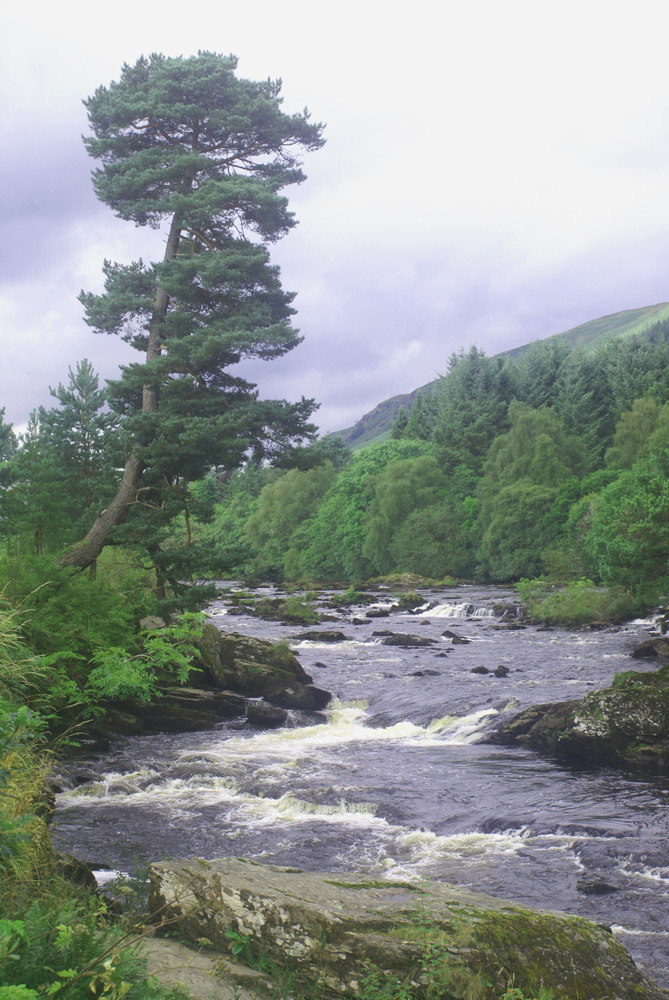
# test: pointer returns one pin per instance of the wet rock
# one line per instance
(382, 631)
(506, 612)
(479, 670)
(75, 871)
(339, 923)
(118, 720)
(358, 621)
(296, 695)
(407, 641)
(450, 635)
(595, 887)
(258, 669)
(183, 709)
(459, 640)
(378, 613)
(651, 647)
(501, 671)
(265, 716)
(625, 723)
(323, 635)
(424, 673)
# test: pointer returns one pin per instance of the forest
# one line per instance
(552, 465)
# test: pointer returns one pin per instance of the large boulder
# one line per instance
(407, 641)
(338, 928)
(257, 668)
(651, 647)
(625, 723)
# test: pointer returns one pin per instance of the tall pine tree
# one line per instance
(184, 142)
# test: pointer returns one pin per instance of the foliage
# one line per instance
(293, 609)
(628, 532)
(284, 505)
(472, 403)
(579, 603)
(227, 547)
(331, 544)
(166, 656)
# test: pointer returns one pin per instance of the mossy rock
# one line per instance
(627, 723)
(331, 926)
(257, 668)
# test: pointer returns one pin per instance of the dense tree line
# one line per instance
(553, 462)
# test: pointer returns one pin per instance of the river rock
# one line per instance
(651, 647)
(407, 641)
(185, 709)
(257, 668)
(265, 716)
(625, 723)
(331, 926)
(459, 640)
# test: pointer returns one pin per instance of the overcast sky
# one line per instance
(495, 172)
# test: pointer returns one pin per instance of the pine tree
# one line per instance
(80, 431)
(187, 143)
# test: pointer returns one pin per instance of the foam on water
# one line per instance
(463, 610)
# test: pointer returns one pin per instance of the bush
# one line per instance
(579, 603)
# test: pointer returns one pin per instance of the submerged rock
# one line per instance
(332, 926)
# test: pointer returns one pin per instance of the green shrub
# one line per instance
(578, 603)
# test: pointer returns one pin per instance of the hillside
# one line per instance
(376, 425)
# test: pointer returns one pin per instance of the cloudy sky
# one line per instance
(495, 172)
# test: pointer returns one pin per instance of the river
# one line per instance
(396, 779)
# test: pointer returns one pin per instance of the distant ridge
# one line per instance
(376, 425)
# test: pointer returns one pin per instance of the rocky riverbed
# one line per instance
(394, 779)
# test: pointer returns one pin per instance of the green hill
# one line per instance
(376, 425)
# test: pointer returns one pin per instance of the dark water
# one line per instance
(397, 781)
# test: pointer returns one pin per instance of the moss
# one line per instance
(372, 885)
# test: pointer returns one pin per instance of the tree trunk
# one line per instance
(85, 553)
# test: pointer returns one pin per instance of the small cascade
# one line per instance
(464, 610)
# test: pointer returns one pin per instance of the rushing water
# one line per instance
(395, 780)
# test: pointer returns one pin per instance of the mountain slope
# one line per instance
(376, 425)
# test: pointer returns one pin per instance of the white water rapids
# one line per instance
(395, 780)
